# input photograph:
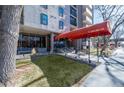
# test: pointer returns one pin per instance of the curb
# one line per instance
(80, 82)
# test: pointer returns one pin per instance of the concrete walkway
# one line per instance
(108, 74)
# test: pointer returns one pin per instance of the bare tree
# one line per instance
(118, 35)
(9, 30)
(115, 14)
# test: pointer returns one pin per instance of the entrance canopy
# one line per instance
(100, 29)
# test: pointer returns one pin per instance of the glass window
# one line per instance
(61, 11)
(74, 6)
(44, 6)
(73, 11)
(25, 41)
(44, 19)
(61, 24)
(1, 11)
(73, 21)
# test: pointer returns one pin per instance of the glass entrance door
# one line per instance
(27, 42)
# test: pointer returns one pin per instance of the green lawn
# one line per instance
(58, 71)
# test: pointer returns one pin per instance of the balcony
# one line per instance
(89, 7)
(87, 22)
(88, 13)
(89, 19)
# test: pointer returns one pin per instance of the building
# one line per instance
(40, 23)
(87, 20)
(80, 16)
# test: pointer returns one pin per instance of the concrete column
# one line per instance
(78, 44)
(52, 42)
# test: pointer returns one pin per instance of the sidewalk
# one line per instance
(109, 74)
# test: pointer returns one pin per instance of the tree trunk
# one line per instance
(9, 31)
(116, 43)
(106, 40)
(104, 45)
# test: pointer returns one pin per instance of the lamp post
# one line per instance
(89, 49)
(98, 50)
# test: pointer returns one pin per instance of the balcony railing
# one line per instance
(88, 19)
(89, 7)
(87, 13)
(86, 22)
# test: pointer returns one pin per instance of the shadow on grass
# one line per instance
(61, 71)
(33, 81)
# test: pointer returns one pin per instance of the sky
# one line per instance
(97, 18)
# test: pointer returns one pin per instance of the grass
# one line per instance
(61, 71)
(51, 70)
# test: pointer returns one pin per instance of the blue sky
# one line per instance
(97, 18)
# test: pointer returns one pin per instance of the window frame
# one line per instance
(43, 19)
(61, 24)
(61, 11)
(73, 22)
(73, 11)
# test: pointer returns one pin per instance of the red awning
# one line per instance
(100, 29)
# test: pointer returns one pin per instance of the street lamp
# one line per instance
(97, 42)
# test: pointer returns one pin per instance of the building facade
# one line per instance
(80, 16)
(41, 23)
(87, 20)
